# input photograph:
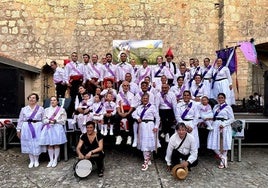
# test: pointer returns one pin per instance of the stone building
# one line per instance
(38, 31)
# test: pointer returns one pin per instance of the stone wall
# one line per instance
(37, 31)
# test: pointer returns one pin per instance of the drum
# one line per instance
(83, 168)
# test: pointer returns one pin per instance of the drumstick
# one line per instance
(121, 107)
(156, 137)
(221, 140)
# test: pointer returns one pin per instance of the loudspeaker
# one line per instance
(265, 111)
(12, 92)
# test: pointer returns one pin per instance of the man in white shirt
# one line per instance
(181, 148)
(58, 79)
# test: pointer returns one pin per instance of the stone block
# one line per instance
(98, 22)
(4, 48)
(113, 21)
(3, 22)
(11, 23)
(91, 33)
(15, 30)
(15, 14)
(90, 22)
(80, 22)
(162, 21)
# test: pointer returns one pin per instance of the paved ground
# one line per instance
(123, 169)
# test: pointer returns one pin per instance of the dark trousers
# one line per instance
(167, 120)
(109, 120)
(73, 92)
(60, 90)
(177, 158)
(117, 120)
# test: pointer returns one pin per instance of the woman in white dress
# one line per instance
(222, 82)
(148, 119)
(220, 138)
(53, 134)
(29, 129)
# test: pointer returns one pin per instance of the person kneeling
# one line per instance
(90, 146)
(181, 149)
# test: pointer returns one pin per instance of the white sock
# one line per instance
(36, 158)
(31, 157)
(57, 153)
(105, 127)
(51, 154)
(135, 131)
(111, 128)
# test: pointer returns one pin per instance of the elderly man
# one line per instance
(125, 102)
(181, 148)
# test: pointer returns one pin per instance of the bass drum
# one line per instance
(82, 168)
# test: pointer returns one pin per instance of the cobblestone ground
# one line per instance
(123, 169)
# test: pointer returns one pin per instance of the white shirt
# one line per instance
(58, 75)
(188, 147)
(122, 69)
(73, 69)
(94, 73)
(107, 73)
(170, 97)
(128, 95)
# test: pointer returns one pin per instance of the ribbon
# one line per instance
(166, 101)
(144, 110)
(109, 69)
(215, 75)
(186, 110)
(124, 98)
(95, 69)
(52, 117)
(197, 90)
(156, 74)
(219, 109)
(99, 109)
(75, 69)
(30, 120)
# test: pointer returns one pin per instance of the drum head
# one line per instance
(83, 168)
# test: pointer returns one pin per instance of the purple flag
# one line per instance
(228, 57)
(249, 51)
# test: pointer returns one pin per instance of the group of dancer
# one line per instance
(138, 105)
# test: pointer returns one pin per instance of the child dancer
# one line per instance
(205, 111)
(109, 115)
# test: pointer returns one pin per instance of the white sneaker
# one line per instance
(118, 140)
(111, 132)
(162, 135)
(167, 137)
(49, 164)
(31, 165)
(102, 132)
(36, 164)
(54, 163)
(134, 143)
(129, 140)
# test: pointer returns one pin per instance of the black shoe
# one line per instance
(100, 174)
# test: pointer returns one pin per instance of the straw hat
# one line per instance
(179, 172)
